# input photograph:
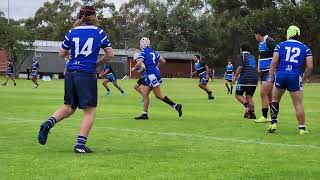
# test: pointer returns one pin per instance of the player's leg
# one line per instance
(295, 89)
(298, 105)
(250, 90)
(239, 96)
(265, 94)
(277, 93)
(227, 86)
(13, 80)
(137, 88)
(231, 86)
(115, 83)
(145, 93)
(157, 92)
(87, 91)
(105, 84)
(203, 85)
(71, 103)
(5, 83)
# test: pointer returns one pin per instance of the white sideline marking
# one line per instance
(192, 136)
(215, 138)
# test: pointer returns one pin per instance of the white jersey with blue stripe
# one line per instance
(85, 43)
(292, 56)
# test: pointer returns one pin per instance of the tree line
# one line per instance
(214, 28)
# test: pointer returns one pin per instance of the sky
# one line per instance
(27, 8)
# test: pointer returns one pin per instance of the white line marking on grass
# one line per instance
(192, 136)
(196, 136)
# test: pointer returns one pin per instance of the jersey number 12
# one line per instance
(291, 58)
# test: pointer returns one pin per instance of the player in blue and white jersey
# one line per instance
(151, 59)
(35, 72)
(107, 71)
(202, 70)
(266, 47)
(247, 76)
(10, 74)
(289, 58)
(84, 42)
(141, 83)
(228, 75)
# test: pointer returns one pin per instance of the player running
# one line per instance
(202, 70)
(10, 74)
(84, 41)
(151, 59)
(288, 60)
(139, 86)
(110, 77)
(228, 75)
(35, 72)
(266, 47)
(247, 76)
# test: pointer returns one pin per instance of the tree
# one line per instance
(17, 42)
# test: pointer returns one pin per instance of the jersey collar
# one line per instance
(245, 52)
(265, 38)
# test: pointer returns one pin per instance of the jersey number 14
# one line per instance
(86, 49)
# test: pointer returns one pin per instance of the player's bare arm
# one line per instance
(106, 57)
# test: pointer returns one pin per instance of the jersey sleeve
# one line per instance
(141, 56)
(277, 48)
(66, 42)
(105, 42)
(308, 51)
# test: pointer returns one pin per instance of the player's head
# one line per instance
(196, 57)
(87, 15)
(144, 43)
(34, 59)
(293, 32)
(259, 32)
(245, 47)
(229, 62)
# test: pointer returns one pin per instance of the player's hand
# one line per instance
(207, 77)
(305, 80)
(233, 81)
(132, 69)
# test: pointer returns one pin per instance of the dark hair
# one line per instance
(198, 56)
(245, 47)
(87, 11)
(260, 30)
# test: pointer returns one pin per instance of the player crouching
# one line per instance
(247, 76)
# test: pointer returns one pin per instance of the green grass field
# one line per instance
(211, 141)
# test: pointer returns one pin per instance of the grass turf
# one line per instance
(211, 141)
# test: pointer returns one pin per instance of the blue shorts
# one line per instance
(111, 77)
(229, 77)
(265, 76)
(203, 80)
(153, 80)
(80, 90)
(34, 73)
(291, 82)
(9, 74)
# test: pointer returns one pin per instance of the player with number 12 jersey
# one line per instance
(288, 60)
